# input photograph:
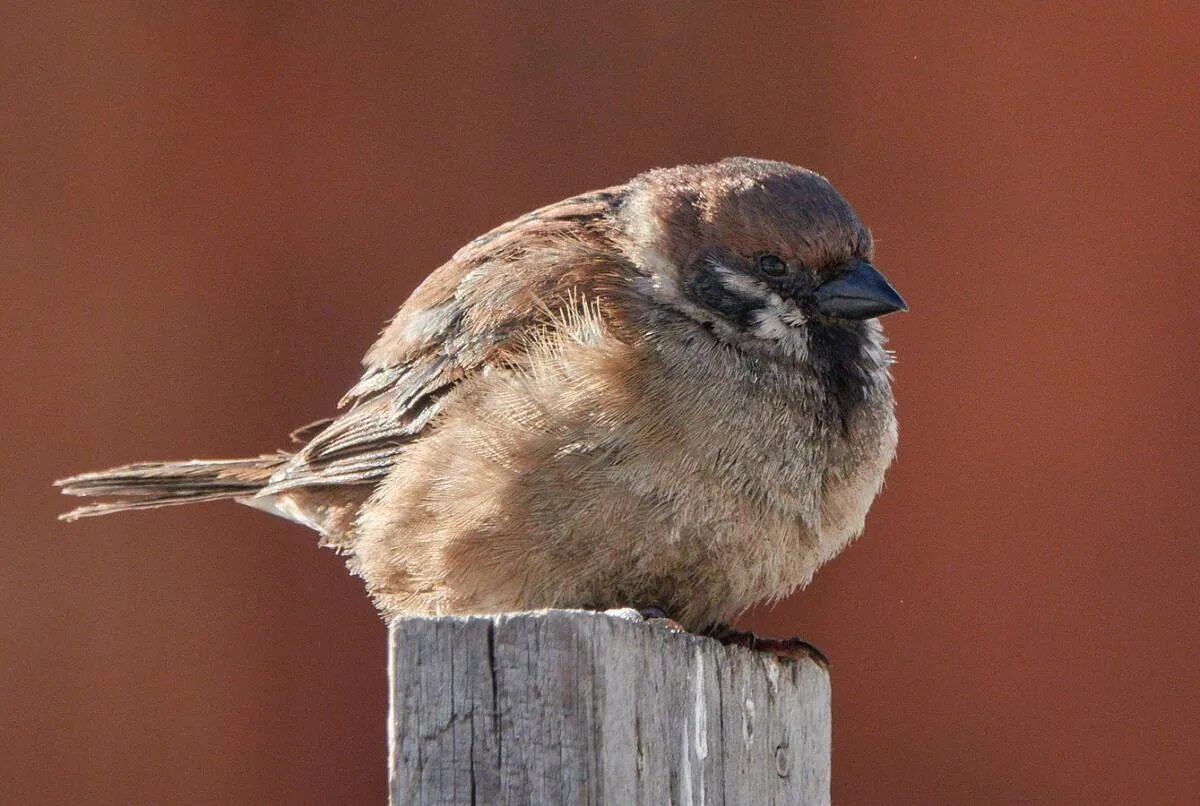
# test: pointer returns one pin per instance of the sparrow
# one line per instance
(669, 394)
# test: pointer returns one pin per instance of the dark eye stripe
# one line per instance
(707, 290)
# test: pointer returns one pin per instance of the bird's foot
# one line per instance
(650, 615)
(782, 648)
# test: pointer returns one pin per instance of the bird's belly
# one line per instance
(605, 488)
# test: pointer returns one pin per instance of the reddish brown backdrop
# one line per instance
(209, 210)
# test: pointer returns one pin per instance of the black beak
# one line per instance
(860, 292)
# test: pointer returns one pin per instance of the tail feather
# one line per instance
(147, 485)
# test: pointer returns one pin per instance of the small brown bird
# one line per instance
(668, 394)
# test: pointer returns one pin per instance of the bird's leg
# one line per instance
(651, 615)
(782, 648)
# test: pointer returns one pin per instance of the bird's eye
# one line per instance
(772, 265)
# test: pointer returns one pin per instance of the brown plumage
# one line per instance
(667, 393)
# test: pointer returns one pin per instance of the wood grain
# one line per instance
(573, 707)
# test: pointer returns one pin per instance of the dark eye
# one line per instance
(772, 265)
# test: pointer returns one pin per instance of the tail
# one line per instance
(148, 485)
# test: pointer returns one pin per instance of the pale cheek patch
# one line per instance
(768, 325)
(742, 285)
(779, 321)
(791, 315)
(775, 319)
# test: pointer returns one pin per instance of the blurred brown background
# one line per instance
(207, 211)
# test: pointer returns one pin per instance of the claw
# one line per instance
(789, 649)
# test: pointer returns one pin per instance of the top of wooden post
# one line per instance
(576, 707)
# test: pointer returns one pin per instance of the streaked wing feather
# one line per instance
(469, 313)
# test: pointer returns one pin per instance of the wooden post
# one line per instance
(573, 707)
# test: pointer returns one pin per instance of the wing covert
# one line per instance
(476, 310)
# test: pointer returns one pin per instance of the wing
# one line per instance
(475, 311)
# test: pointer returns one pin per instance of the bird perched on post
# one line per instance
(671, 393)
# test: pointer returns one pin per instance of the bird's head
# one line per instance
(753, 249)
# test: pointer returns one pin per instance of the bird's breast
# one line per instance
(795, 454)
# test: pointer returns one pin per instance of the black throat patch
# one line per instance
(836, 350)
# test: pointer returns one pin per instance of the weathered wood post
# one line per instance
(572, 707)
